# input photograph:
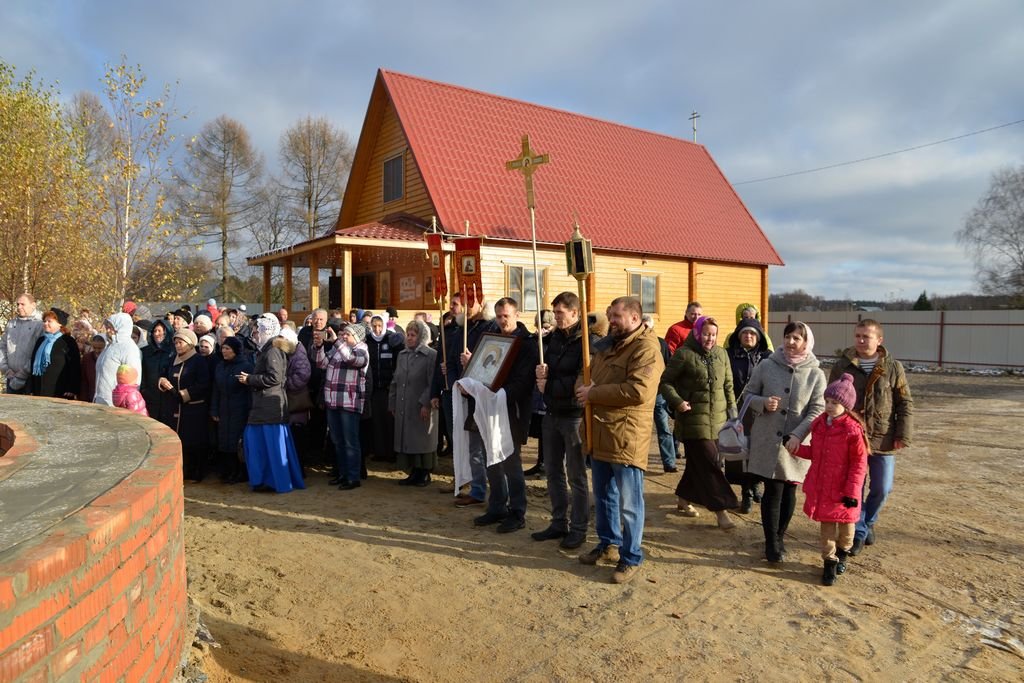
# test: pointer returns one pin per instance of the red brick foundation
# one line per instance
(101, 595)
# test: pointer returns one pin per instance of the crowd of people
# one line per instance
(258, 399)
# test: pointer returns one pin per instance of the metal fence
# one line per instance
(949, 339)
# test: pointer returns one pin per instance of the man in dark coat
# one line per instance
(506, 505)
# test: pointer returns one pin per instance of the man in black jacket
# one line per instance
(563, 447)
(506, 505)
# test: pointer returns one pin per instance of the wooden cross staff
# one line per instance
(527, 164)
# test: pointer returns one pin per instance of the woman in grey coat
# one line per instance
(787, 391)
(415, 438)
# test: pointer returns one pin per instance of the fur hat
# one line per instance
(357, 331)
(289, 334)
(188, 335)
(209, 338)
(62, 316)
(842, 391)
(184, 314)
(235, 343)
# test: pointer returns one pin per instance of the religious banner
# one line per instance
(435, 252)
(467, 265)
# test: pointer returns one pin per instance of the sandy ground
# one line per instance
(386, 583)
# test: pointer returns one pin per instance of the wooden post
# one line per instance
(764, 299)
(346, 281)
(314, 282)
(266, 286)
(287, 303)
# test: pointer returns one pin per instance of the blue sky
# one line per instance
(780, 86)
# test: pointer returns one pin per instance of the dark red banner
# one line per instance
(435, 252)
(467, 265)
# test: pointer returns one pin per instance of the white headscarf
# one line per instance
(267, 327)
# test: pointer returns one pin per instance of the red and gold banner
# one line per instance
(435, 252)
(467, 265)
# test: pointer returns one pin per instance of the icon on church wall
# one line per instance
(469, 265)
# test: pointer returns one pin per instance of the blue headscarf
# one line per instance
(42, 359)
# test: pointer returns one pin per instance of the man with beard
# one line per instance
(621, 393)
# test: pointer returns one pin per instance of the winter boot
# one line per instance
(424, 479)
(411, 480)
(841, 566)
(748, 501)
(829, 576)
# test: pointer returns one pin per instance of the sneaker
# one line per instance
(608, 554)
(858, 545)
(467, 501)
(573, 540)
(624, 573)
(870, 538)
(489, 518)
(510, 524)
(549, 534)
(724, 523)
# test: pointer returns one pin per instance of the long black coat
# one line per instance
(63, 375)
(155, 361)
(563, 354)
(230, 403)
(188, 415)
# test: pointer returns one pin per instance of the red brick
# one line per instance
(118, 611)
(32, 620)
(146, 500)
(85, 580)
(106, 525)
(52, 559)
(63, 661)
(83, 612)
(18, 660)
(157, 544)
(6, 594)
(137, 671)
(97, 633)
(127, 573)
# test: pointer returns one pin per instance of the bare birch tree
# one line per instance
(993, 234)
(316, 157)
(224, 197)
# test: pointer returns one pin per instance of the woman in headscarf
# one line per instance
(269, 448)
(184, 406)
(409, 403)
(56, 363)
(156, 358)
(787, 391)
(229, 409)
(697, 385)
(383, 346)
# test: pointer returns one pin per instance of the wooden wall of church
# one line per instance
(390, 142)
(721, 287)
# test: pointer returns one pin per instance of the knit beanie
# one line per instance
(188, 335)
(842, 391)
(357, 331)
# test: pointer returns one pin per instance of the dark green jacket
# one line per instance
(883, 398)
(704, 379)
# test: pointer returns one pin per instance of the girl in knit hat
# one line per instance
(838, 453)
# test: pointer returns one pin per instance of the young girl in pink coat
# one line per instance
(838, 455)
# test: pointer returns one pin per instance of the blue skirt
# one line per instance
(271, 458)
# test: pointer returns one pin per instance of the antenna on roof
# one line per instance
(693, 119)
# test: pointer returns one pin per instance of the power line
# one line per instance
(879, 156)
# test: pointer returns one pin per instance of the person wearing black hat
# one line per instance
(56, 363)
(747, 346)
(229, 408)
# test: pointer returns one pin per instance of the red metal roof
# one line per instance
(634, 190)
(398, 229)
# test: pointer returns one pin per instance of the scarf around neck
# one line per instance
(796, 359)
(42, 359)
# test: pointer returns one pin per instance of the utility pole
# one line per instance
(693, 119)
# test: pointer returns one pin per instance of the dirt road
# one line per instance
(386, 583)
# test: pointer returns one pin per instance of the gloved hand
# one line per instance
(849, 502)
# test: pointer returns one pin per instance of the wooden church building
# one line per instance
(666, 225)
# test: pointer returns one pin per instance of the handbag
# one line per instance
(299, 402)
(733, 443)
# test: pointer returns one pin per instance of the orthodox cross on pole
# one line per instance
(693, 118)
(527, 163)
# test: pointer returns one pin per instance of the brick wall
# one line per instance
(100, 596)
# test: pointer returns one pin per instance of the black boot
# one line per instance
(414, 475)
(424, 479)
(841, 566)
(747, 504)
(828, 577)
